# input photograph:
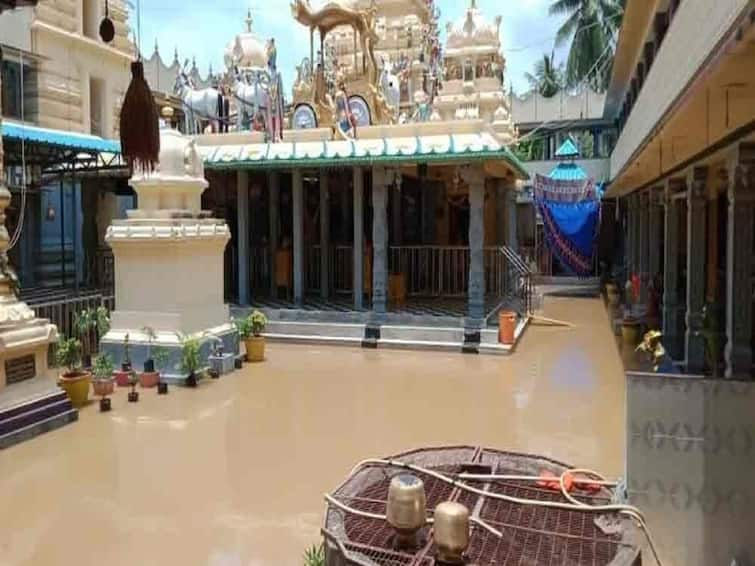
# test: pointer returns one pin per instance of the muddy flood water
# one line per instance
(233, 473)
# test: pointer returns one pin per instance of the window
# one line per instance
(97, 107)
(11, 93)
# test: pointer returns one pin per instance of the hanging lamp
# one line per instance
(107, 29)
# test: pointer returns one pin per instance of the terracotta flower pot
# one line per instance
(122, 378)
(255, 349)
(149, 379)
(76, 385)
(103, 387)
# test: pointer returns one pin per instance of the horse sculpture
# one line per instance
(259, 101)
(207, 104)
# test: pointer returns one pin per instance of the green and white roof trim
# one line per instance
(446, 148)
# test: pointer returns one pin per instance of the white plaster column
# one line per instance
(358, 248)
(380, 182)
(671, 313)
(644, 232)
(324, 234)
(739, 254)
(242, 225)
(475, 178)
(298, 229)
(274, 222)
(694, 341)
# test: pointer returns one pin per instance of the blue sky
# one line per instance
(202, 29)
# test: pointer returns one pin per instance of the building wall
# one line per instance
(532, 107)
(697, 27)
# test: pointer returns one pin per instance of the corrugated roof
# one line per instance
(58, 138)
(420, 149)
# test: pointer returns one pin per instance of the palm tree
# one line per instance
(592, 26)
(547, 77)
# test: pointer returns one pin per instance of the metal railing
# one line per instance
(432, 271)
(61, 308)
(520, 288)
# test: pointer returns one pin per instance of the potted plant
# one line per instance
(250, 331)
(89, 325)
(123, 377)
(133, 379)
(149, 377)
(75, 380)
(103, 382)
(190, 359)
(314, 556)
(160, 356)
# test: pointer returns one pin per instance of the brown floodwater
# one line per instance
(233, 473)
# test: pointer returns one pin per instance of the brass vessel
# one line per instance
(451, 532)
(405, 509)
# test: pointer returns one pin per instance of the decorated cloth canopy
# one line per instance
(569, 204)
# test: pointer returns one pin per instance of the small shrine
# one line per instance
(169, 264)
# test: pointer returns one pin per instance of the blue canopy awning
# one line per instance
(568, 172)
(58, 138)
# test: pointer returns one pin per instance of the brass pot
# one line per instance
(406, 506)
(451, 531)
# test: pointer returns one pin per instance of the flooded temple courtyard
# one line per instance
(234, 473)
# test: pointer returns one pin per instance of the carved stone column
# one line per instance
(694, 341)
(324, 235)
(500, 211)
(242, 223)
(739, 254)
(632, 235)
(298, 220)
(380, 182)
(396, 211)
(475, 178)
(644, 236)
(671, 314)
(358, 238)
(274, 212)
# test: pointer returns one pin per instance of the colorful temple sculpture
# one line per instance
(569, 204)
(473, 73)
(169, 233)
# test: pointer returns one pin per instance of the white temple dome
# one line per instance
(473, 29)
(316, 5)
(247, 50)
(500, 115)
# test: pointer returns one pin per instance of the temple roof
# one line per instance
(445, 148)
(473, 30)
(247, 50)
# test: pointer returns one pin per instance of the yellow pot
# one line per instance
(255, 349)
(77, 387)
(630, 332)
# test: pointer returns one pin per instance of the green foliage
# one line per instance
(314, 556)
(68, 354)
(548, 78)
(126, 350)
(252, 325)
(151, 336)
(87, 321)
(103, 367)
(530, 149)
(190, 354)
(592, 27)
(160, 356)
(259, 322)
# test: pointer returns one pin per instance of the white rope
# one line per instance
(573, 505)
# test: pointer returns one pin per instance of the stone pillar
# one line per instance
(242, 223)
(298, 225)
(644, 233)
(274, 222)
(671, 312)
(324, 234)
(694, 341)
(500, 212)
(512, 238)
(475, 178)
(358, 248)
(380, 182)
(396, 228)
(739, 253)
(634, 235)
(655, 215)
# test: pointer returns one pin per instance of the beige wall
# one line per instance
(695, 30)
(532, 107)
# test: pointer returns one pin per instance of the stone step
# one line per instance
(34, 416)
(314, 329)
(422, 334)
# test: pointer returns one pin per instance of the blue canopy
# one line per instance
(568, 149)
(58, 138)
(568, 172)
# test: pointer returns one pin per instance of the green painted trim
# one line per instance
(432, 157)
